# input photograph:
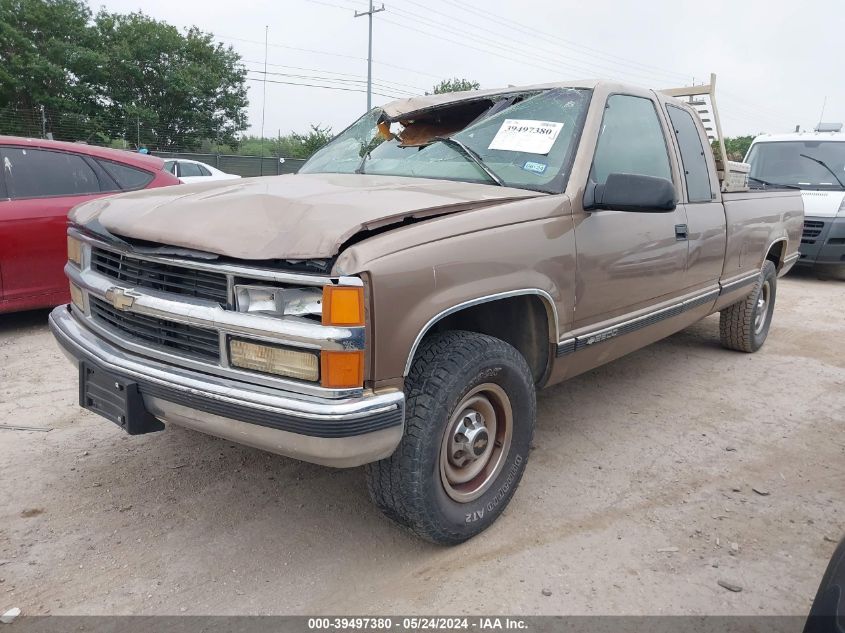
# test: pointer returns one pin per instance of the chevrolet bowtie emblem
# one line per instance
(119, 299)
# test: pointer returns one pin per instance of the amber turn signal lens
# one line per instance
(339, 370)
(343, 305)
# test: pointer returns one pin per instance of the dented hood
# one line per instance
(282, 217)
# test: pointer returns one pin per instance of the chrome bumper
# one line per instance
(339, 432)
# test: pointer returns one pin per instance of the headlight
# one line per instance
(76, 297)
(74, 250)
(841, 211)
(273, 359)
(279, 301)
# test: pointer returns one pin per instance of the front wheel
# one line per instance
(744, 325)
(470, 415)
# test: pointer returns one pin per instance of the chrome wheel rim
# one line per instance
(762, 307)
(476, 442)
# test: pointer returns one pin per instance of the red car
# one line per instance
(40, 181)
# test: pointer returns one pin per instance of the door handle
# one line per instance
(681, 232)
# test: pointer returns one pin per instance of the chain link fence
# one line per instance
(42, 123)
(241, 165)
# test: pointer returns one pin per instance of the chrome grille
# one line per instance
(196, 341)
(141, 273)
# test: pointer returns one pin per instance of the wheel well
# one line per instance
(776, 253)
(522, 322)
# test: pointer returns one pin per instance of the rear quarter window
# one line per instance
(696, 173)
(125, 176)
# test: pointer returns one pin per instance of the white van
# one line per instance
(815, 163)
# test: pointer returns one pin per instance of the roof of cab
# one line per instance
(144, 161)
(412, 105)
(801, 136)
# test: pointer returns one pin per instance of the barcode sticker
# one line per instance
(524, 135)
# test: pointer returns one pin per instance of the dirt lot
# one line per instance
(638, 499)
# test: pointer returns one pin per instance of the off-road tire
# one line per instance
(407, 486)
(737, 329)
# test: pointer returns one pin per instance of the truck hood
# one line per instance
(282, 217)
(821, 204)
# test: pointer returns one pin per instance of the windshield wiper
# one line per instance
(773, 184)
(471, 155)
(825, 165)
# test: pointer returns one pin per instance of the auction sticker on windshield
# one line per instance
(524, 135)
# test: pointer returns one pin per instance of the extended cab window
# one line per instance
(36, 173)
(692, 154)
(631, 141)
(125, 176)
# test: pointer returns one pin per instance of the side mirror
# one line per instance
(631, 192)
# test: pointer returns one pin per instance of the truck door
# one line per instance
(705, 213)
(43, 186)
(627, 261)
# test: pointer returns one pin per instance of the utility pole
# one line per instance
(264, 97)
(369, 15)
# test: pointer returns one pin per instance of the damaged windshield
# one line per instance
(524, 141)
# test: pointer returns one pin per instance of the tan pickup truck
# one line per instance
(398, 301)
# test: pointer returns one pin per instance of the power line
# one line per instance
(319, 52)
(383, 82)
(560, 63)
(556, 39)
(653, 71)
(341, 80)
(346, 89)
(555, 69)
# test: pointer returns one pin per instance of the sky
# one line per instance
(777, 63)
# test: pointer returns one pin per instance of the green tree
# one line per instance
(455, 85)
(165, 88)
(48, 51)
(304, 145)
(737, 146)
(293, 145)
(115, 76)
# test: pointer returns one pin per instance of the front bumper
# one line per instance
(341, 433)
(823, 242)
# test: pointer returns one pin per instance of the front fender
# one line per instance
(411, 289)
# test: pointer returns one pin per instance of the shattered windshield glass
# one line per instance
(523, 141)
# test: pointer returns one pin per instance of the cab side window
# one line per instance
(631, 141)
(692, 154)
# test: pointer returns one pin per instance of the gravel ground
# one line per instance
(653, 478)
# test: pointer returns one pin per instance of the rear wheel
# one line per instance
(744, 325)
(469, 423)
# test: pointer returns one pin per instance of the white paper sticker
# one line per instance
(524, 135)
